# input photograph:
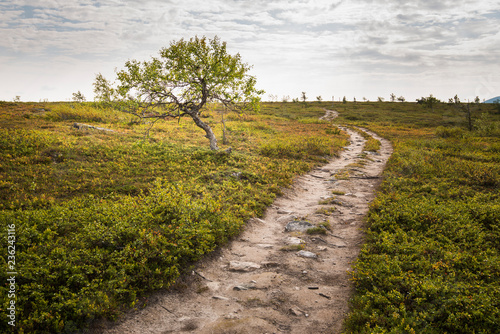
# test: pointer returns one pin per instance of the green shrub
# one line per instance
(81, 261)
(453, 132)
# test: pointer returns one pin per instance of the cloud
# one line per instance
(309, 40)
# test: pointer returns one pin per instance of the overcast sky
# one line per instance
(50, 49)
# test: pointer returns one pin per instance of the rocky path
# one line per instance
(276, 277)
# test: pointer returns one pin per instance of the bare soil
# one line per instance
(260, 283)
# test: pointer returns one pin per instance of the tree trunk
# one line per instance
(208, 130)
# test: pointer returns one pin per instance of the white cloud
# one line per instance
(340, 45)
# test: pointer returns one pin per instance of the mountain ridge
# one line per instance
(493, 100)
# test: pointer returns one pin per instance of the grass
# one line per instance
(338, 192)
(316, 230)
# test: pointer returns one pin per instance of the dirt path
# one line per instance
(261, 283)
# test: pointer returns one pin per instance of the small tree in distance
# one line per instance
(304, 97)
(428, 102)
(180, 83)
(79, 97)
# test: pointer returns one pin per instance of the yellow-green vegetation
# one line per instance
(431, 260)
(342, 174)
(293, 248)
(316, 230)
(102, 218)
(338, 192)
(326, 225)
(326, 211)
(372, 144)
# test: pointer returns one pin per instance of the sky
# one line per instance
(50, 49)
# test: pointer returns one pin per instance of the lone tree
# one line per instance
(179, 83)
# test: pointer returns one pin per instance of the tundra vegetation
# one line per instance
(431, 262)
(103, 218)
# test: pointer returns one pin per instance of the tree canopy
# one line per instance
(180, 82)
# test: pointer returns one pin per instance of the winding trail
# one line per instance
(261, 283)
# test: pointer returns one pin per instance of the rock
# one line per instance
(294, 241)
(338, 243)
(297, 311)
(307, 254)
(81, 126)
(298, 226)
(284, 212)
(265, 246)
(220, 298)
(269, 264)
(243, 287)
(243, 266)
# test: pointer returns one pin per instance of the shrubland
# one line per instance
(102, 218)
(431, 261)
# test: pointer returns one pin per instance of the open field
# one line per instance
(101, 218)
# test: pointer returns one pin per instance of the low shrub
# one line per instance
(431, 262)
(450, 132)
(83, 260)
(295, 147)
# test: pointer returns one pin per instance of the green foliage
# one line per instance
(485, 127)
(454, 132)
(316, 230)
(186, 76)
(79, 97)
(429, 102)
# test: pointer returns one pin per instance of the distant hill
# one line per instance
(493, 100)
